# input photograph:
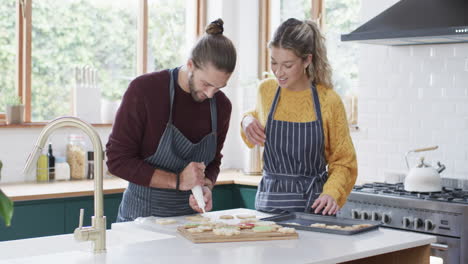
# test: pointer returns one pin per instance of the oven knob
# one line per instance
(386, 219)
(376, 216)
(428, 225)
(406, 222)
(418, 222)
(365, 216)
(355, 214)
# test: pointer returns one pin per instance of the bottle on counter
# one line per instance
(62, 169)
(90, 174)
(51, 158)
(42, 173)
(76, 157)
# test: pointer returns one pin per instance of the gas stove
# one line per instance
(443, 214)
(456, 195)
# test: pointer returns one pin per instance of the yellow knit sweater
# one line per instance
(298, 106)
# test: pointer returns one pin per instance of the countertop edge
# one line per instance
(30, 191)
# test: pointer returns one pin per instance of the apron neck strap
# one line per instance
(171, 92)
(174, 73)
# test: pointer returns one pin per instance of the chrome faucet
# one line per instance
(97, 231)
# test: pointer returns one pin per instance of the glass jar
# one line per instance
(76, 157)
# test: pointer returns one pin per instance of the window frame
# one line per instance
(316, 13)
(24, 45)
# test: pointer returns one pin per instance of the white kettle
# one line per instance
(423, 177)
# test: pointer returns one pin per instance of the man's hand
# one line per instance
(208, 201)
(327, 203)
(192, 175)
(254, 131)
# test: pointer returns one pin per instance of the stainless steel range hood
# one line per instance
(413, 22)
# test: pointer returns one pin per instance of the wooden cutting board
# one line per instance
(245, 235)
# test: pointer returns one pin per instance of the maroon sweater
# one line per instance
(142, 118)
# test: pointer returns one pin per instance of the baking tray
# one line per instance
(305, 220)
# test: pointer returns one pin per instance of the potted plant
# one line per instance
(6, 208)
(14, 110)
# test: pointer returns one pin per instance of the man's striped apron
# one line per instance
(173, 154)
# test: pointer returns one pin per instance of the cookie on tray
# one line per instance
(226, 217)
(246, 216)
(165, 221)
(287, 230)
(197, 218)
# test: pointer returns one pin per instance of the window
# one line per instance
(167, 42)
(65, 45)
(7, 52)
(69, 37)
(342, 16)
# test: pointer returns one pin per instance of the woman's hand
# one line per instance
(207, 196)
(327, 203)
(254, 131)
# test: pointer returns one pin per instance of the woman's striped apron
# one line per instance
(294, 163)
(173, 154)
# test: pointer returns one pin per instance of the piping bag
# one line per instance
(198, 195)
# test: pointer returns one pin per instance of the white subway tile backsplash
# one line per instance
(434, 65)
(456, 65)
(441, 80)
(442, 137)
(461, 50)
(413, 65)
(399, 52)
(421, 51)
(377, 133)
(418, 98)
(421, 136)
(431, 92)
(399, 107)
(454, 123)
(387, 148)
(443, 108)
(398, 134)
(461, 80)
(420, 108)
(420, 80)
(443, 50)
(462, 108)
(461, 166)
(455, 152)
(368, 120)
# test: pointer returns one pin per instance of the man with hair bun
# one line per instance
(309, 158)
(170, 129)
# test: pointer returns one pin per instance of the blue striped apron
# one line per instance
(294, 169)
(173, 154)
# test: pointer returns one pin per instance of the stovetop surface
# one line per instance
(454, 195)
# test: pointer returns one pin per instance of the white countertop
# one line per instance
(144, 241)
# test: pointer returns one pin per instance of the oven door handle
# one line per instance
(439, 246)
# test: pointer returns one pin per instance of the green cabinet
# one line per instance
(233, 196)
(55, 216)
(34, 219)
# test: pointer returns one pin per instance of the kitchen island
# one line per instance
(144, 241)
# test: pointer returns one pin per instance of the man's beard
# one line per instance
(193, 91)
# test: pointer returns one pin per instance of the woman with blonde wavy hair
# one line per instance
(309, 158)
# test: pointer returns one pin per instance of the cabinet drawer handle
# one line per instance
(439, 246)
